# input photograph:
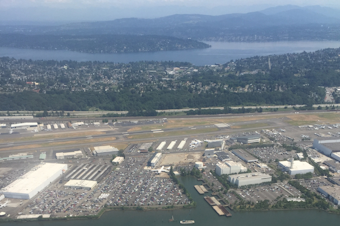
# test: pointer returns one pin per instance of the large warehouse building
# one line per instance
(244, 156)
(34, 181)
(249, 139)
(84, 184)
(229, 167)
(105, 150)
(326, 147)
(331, 192)
(69, 155)
(249, 179)
(294, 167)
(24, 125)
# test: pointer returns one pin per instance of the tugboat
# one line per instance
(187, 222)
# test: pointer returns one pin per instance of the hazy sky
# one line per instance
(90, 10)
(134, 3)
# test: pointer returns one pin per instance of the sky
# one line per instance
(90, 10)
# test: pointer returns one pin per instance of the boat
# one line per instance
(172, 219)
(187, 222)
(2, 214)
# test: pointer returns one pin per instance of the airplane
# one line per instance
(3, 205)
(158, 171)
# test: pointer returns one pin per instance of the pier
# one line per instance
(198, 189)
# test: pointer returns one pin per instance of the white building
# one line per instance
(249, 179)
(154, 159)
(199, 165)
(105, 150)
(229, 167)
(84, 184)
(331, 192)
(24, 125)
(34, 181)
(69, 155)
(294, 167)
(118, 160)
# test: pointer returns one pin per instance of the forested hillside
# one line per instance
(69, 85)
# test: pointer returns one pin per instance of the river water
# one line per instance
(220, 52)
(203, 215)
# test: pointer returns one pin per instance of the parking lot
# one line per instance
(268, 192)
(270, 154)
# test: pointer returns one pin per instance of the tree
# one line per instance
(150, 149)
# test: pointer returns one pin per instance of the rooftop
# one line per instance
(244, 155)
(35, 178)
(253, 136)
(249, 176)
(332, 163)
(81, 183)
(107, 148)
(332, 191)
(297, 165)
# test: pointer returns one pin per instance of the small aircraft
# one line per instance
(162, 169)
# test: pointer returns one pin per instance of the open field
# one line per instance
(317, 118)
(180, 158)
(188, 122)
(53, 136)
(173, 133)
(249, 126)
(51, 144)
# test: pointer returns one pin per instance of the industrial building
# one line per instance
(89, 172)
(333, 166)
(327, 147)
(34, 181)
(334, 180)
(229, 167)
(244, 156)
(69, 155)
(331, 192)
(209, 152)
(249, 139)
(144, 148)
(171, 145)
(215, 144)
(294, 167)
(83, 184)
(161, 146)
(199, 165)
(24, 125)
(154, 159)
(249, 179)
(105, 150)
(42, 156)
(16, 157)
(118, 160)
(222, 156)
(336, 156)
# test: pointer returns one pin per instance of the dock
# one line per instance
(203, 188)
(222, 211)
(208, 199)
(198, 189)
(225, 211)
(217, 203)
(218, 210)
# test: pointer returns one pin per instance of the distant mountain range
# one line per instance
(273, 24)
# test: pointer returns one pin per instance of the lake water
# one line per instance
(203, 215)
(220, 52)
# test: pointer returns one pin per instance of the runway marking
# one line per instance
(161, 131)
